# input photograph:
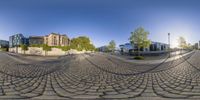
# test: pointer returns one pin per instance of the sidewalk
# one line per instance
(151, 61)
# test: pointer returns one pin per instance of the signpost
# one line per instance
(169, 44)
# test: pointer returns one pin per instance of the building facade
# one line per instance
(154, 46)
(196, 46)
(103, 49)
(199, 45)
(157, 46)
(126, 47)
(55, 39)
(36, 40)
(4, 44)
(17, 39)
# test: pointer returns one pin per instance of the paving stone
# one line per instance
(99, 76)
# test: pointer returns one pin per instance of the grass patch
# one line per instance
(3, 49)
(139, 58)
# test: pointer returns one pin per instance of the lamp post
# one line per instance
(169, 44)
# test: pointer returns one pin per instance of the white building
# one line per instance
(126, 47)
(154, 46)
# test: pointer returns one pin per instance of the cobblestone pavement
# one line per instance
(96, 76)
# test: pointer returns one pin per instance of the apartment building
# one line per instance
(55, 39)
(17, 39)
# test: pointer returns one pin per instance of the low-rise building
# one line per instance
(196, 46)
(103, 49)
(199, 45)
(36, 40)
(154, 46)
(55, 39)
(4, 44)
(126, 47)
(157, 46)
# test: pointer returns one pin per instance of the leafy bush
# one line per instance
(36, 45)
(46, 47)
(24, 47)
(65, 48)
(139, 57)
(3, 49)
(59, 47)
(82, 43)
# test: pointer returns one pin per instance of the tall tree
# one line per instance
(140, 38)
(82, 43)
(46, 48)
(182, 42)
(24, 47)
(65, 48)
(112, 45)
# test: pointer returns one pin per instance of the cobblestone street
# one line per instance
(97, 76)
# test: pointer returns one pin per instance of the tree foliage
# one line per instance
(140, 38)
(36, 45)
(24, 47)
(82, 43)
(112, 45)
(65, 48)
(46, 47)
(182, 42)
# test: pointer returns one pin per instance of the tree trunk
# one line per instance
(45, 53)
(138, 51)
(16, 49)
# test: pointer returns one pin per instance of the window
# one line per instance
(55, 42)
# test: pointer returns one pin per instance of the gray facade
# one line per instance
(36, 40)
(103, 49)
(196, 46)
(4, 44)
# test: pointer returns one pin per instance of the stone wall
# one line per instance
(40, 51)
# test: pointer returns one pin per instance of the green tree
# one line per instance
(65, 48)
(189, 46)
(112, 45)
(140, 38)
(91, 47)
(24, 47)
(36, 45)
(46, 48)
(82, 43)
(182, 42)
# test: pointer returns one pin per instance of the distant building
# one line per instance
(154, 46)
(199, 45)
(17, 39)
(196, 46)
(36, 40)
(103, 49)
(4, 44)
(157, 46)
(55, 39)
(126, 47)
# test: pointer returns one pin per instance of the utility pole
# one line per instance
(169, 44)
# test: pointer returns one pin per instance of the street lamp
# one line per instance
(169, 44)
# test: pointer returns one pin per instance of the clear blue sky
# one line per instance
(102, 20)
